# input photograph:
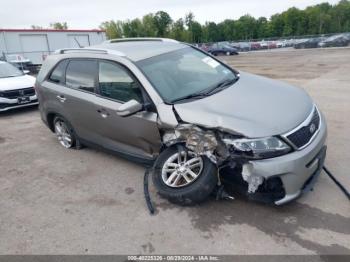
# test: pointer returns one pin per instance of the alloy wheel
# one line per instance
(182, 169)
(63, 135)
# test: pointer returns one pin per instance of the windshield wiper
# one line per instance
(221, 85)
(191, 96)
(208, 92)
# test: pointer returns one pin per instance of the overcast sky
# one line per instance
(84, 14)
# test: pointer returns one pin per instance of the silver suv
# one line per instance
(195, 119)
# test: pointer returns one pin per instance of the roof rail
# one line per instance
(140, 39)
(84, 50)
(88, 50)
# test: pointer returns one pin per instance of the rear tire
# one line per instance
(64, 132)
(187, 193)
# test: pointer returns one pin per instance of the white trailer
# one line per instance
(36, 44)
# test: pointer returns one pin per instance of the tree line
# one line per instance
(323, 18)
(54, 25)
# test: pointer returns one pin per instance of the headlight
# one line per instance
(259, 148)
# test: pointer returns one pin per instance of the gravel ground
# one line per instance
(54, 201)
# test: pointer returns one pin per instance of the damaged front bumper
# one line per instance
(278, 180)
(298, 171)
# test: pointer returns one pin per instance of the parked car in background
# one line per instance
(204, 47)
(22, 63)
(242, 46)
(255, 46)
(335, 40)
(291, 42)
(16, 88)
(309, 43)
(264, 45)
(272, 45)
(188, 114)
(281, 44)
(222, 49)
(19, 61)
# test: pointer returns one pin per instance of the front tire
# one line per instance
(184, 178)
(64, 132)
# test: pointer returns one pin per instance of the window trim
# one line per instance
(54, 68)
(145, 97)
(95, 75)
(63, 84)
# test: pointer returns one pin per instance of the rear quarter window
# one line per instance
(58, 74)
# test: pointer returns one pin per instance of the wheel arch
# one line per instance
(50, 117)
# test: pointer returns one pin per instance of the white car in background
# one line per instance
(22, 63)
(264, 45)
(281, 44)
(16, 88)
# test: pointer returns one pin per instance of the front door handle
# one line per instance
(61, 98)
(103, 112)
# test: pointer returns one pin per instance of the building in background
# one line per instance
(35, 44)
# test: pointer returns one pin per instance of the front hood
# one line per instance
(18, 82)
(255, 107)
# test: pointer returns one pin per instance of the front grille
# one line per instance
(13, 94)
(302, 136)
(5, 105)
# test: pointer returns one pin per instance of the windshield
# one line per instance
(8, 70)
(184, 72)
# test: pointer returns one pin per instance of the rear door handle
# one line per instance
(61, 98)
(103, 112)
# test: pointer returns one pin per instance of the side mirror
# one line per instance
(129, 108)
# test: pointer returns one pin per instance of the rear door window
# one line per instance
(115, 82)
(81, 74)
